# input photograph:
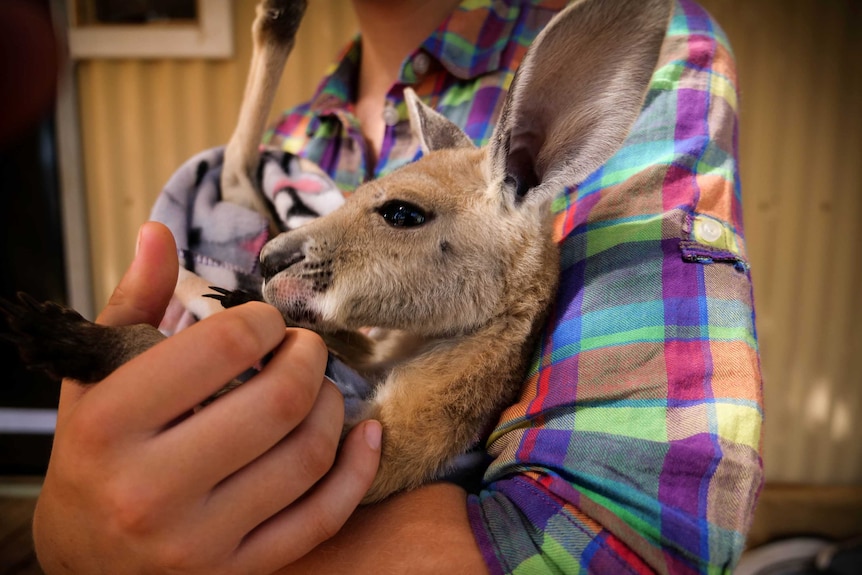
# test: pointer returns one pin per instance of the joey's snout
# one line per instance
(277, 256)
(289, 284)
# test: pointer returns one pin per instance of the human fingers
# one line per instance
(244, 424)
(152, 390)
(295, 531)
(285, 472)
(147, 286)
(106, 464)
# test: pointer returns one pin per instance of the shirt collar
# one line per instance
(468, 44)
(338, 88)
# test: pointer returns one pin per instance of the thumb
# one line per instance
(146, 289)
(141, 297)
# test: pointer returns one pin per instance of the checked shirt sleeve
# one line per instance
(635, 445)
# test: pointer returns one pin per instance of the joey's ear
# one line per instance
(576, 94)
(435, 131)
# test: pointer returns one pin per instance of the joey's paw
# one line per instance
(230, 298)
(46, 334)
(279, 19)
(291, 9)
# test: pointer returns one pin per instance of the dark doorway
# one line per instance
(32, 260)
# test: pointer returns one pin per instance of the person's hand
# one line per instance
(245, 485)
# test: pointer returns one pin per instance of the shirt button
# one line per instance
(421, 63)
(390, 114)
(709, 231)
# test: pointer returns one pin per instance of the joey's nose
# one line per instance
(274, 261)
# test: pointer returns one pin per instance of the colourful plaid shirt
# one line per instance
(635, 445)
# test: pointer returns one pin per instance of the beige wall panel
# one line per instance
(800, 69)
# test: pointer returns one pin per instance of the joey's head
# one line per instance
(424, 249)
(447, 244)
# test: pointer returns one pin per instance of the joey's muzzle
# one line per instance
(277, 257)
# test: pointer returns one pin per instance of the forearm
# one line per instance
(422, 531)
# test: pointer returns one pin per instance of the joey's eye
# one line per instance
(400, 214)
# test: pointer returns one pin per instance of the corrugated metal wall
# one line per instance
(800, 66)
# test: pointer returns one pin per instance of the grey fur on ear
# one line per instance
(435, 131)
(576, 95)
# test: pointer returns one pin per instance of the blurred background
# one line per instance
(133, 103)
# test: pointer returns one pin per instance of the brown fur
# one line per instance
(448, 283)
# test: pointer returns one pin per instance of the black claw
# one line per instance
(230, 298)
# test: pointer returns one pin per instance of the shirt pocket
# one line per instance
(708, 240)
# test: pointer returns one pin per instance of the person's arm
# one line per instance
(424, 531)
(136, 483)
(635, 447)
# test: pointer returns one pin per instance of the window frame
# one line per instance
(210, 36)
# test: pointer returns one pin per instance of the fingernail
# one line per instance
(373, 432)
(138, 241)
